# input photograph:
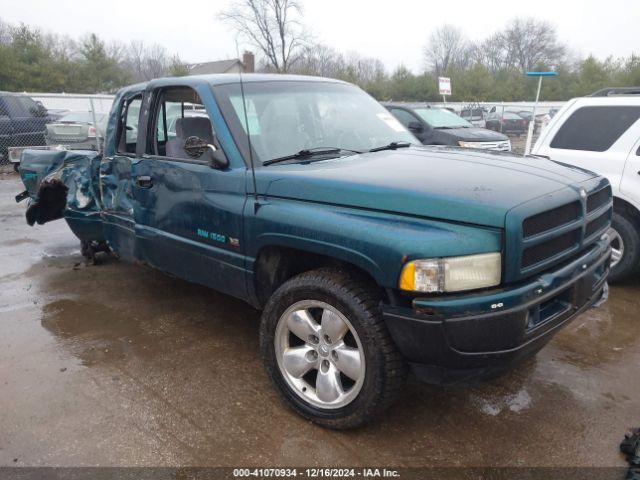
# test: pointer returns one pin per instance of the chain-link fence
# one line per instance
(69, 121)
(51, 121)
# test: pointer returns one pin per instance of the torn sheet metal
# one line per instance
(61, 184)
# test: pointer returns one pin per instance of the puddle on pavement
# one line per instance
(92, 332)
(114, 311)
(602, 335)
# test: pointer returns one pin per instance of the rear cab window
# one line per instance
(595, 128)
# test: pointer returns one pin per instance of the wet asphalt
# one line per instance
(117, 364)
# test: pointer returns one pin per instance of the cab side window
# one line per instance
(178, 114)
(128, 125)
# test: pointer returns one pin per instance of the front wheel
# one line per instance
(327, 350)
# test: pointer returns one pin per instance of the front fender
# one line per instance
(377, 242)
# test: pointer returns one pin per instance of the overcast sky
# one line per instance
(394, 32)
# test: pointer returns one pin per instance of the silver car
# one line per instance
(76, 130)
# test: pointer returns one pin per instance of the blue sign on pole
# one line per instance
(542, 74)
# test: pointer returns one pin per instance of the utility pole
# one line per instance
(532, 123)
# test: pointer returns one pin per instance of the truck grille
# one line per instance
(556, 235)
(598, 199)
(550, 248)
(597, 225)
(545, 221)
(501, 145)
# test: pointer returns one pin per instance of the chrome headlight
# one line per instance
(452, 274)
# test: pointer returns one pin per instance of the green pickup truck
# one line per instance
(369, 255)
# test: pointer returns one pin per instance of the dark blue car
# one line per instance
(22, 122)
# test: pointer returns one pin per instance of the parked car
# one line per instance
(475, 116)
(507, 122)
(54, 114)
(602, 133)
(22, 122)
(367, 253)
(542, 120)
(439, 126)
(77, 131)
(526, 114)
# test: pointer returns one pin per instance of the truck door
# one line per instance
(115, 174)
(188, 214)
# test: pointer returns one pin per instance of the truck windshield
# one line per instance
(442, 118)
(286, 117)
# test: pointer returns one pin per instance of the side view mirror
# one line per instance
(196, 146)
(40, 110)
(415, 127)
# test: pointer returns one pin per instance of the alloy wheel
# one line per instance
(617, 246)
(319, 354)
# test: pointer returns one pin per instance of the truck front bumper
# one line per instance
(459, 338)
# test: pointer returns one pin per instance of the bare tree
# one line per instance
(365, 69)
(529, 41)
(177, 68)
(145, 62)
(446, 47)
(325, 61)
(273, 27)
(319, 59)
(491, 52)
(5, 33)
(135, 60)
(156, 61)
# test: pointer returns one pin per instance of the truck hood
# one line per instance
(442, 183)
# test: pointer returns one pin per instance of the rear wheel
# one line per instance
(89, 249)
(625, 247)
(327, 350)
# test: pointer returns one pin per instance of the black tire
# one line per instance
(358, 300)
(630, 237)
(16, 167)
(88, 252)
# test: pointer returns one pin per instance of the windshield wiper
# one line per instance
(308, 153)
(391, 146)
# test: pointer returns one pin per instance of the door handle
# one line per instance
(144, 181)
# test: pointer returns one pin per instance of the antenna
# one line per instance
(246, 122)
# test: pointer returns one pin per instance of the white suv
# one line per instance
(602, 133)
